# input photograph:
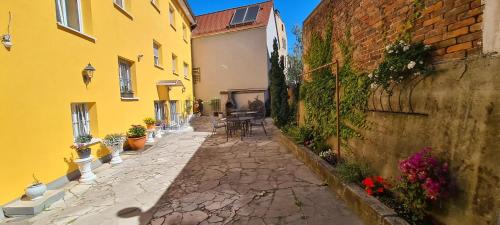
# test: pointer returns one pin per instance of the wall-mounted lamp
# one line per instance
(88, 73)
(139, 57)
(7, 40)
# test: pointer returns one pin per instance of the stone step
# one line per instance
(23, 207)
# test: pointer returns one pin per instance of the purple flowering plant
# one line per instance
(424, 180)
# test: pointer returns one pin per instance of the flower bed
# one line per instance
(369, 209)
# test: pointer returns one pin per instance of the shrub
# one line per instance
(136, 131)
(329, 156)
(424, 180)
(86, 138)
(113, 139)
(352, 173)
(149, 121)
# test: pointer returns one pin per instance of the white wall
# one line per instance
(235, 60)
(271, 33)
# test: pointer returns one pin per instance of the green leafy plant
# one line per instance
(113, 139)
(402, 60)
(352, 172)
(136, 131)
(278, 89)
(149, 121)
(329, 156)
(83, 138)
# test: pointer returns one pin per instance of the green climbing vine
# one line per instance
(318, 93)
(415, 12)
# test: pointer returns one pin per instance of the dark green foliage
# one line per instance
(136, 131)
(83, 138)
(279, 94)
(353, 173)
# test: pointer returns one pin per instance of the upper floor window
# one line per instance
(120, 3)
(184, 32)
(69, 14)
(157, 54)
(174, 64)
(283, 41)
(171, 13)
(81, 119)
(186, 70)
(282, 27)
(125, 74)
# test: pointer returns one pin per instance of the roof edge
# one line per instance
(237, 7)
(188, 11)
(229, 31)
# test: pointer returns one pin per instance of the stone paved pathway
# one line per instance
(187, 179)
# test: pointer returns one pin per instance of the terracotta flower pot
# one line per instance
(136, 143)
(150, 126)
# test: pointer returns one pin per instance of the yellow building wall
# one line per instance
(41, 75)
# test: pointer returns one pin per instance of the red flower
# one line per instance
(368, 182)
(379, 179)
(380, 190)
(369, 191)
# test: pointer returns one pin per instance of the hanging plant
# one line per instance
(402, 60)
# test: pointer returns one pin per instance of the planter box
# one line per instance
(368, 208)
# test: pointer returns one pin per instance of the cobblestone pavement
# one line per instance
(187, 179)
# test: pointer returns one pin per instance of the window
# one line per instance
(69, 14)
(174, 64)
(245, 15)
(172, 16)
(283, 41)
(184, 32)
(282, 27)
(81, 119)
(186, 70)
(126, 90)
(120, 3)
(160, 110)
(157, 54)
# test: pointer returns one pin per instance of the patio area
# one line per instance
(193, 178)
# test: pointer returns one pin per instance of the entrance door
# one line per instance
(160, 110)
(174, 120)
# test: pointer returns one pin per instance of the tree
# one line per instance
(279, 94)
(295, 66)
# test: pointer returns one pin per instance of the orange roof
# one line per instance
(218, 22)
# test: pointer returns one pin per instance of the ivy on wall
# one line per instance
(318, 94)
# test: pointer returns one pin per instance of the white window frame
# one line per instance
(125, 79)
(156, 53)
(80, 119)
(63, 10)
(186, 70)
(121, 4)
(174, 64)
(171, 14)
(184, 32)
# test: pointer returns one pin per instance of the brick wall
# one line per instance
(453, 27)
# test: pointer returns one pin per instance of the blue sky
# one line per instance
(293, 12)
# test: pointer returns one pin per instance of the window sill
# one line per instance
(186, 41)
(122, 10)
(156, 7)
(130, 99)
(186, 78)
(92, 142)
(159, 67)
(173, 27)
(175, 73)
(76, 32)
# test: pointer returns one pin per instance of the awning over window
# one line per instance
(170, 83)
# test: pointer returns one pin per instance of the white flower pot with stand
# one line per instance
(85, 166)
(115, 153)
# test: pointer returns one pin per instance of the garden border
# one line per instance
(369, 209)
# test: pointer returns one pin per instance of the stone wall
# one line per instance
(457, 107)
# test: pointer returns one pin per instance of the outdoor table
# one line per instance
(241, 123)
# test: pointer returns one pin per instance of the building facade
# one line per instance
(231, 51)
(141, 53)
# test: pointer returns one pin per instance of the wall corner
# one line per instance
(491, 26)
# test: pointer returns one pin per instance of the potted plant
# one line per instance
(136, 137)
(81, 146)
(150, 123)
(35, 190)
(114, 142)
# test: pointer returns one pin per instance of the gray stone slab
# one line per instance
(30, 208)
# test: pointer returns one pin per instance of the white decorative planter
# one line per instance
(36, 191)
(151, 138)
(158, 132)
(85, 166)
(115, 153)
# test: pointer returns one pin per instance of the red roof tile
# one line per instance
(218, 22)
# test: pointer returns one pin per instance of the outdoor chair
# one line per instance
(216, 124)
(259, 120)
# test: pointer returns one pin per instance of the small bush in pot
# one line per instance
(136, 137)
(114, 142)
(150, 123)
(81, 146)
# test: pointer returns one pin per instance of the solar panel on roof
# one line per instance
(238, 17)
(251, 14)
